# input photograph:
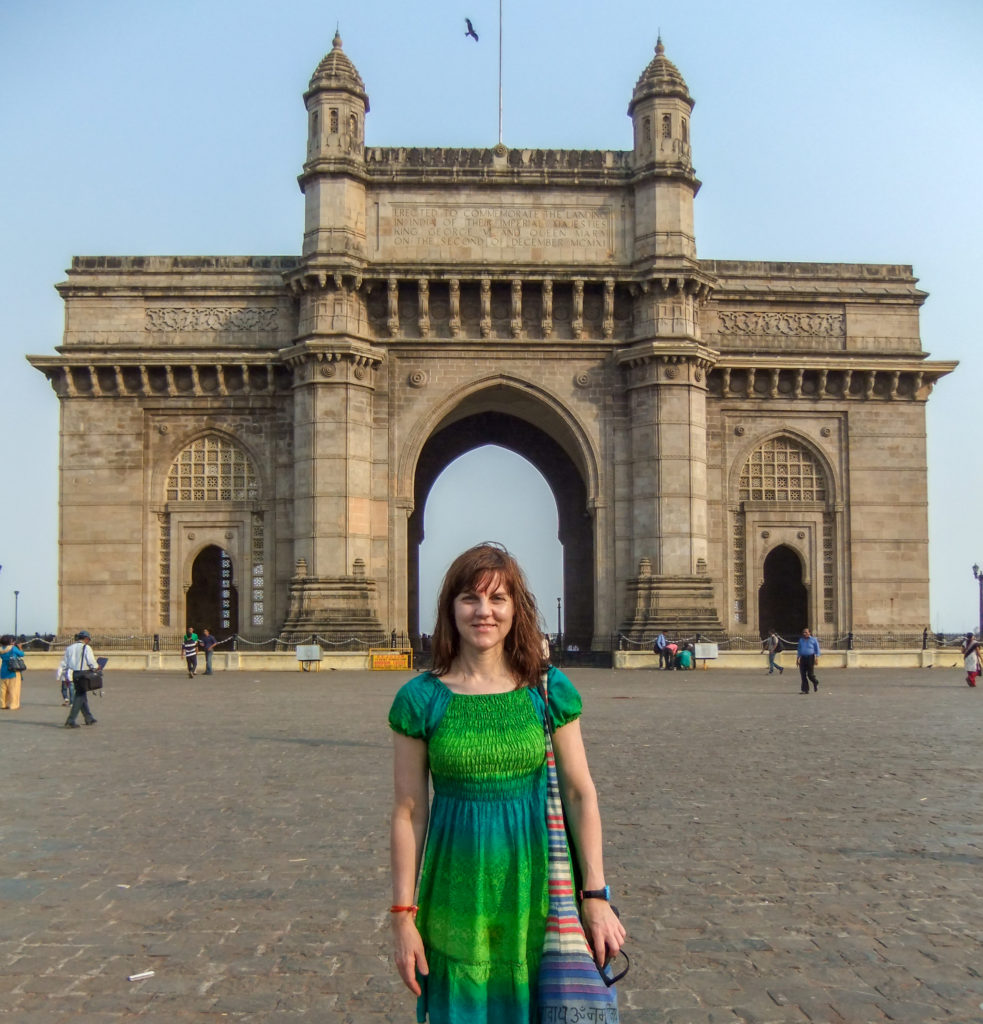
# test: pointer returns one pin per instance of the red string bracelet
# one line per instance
(396, 909)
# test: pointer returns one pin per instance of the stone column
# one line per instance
(333, 500)
(668, 451)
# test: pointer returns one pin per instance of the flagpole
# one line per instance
(500, 72)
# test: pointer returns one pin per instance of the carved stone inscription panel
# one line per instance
(500, 232)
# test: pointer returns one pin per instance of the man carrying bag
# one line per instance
(81, 663)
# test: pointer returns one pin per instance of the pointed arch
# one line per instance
(784, 496)
(209, 495)
(524, 400)
(524, 418)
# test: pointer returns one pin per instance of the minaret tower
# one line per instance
(660, 111)
(666, 367)
(333, 177)
(336, 536)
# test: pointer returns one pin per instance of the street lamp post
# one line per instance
(559, 625)
(16, 596)
(979, 579)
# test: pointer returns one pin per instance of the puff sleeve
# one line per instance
(565, 702)
(418, 706)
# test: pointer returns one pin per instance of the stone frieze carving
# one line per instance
(830, 325)
(418, 156)
(211, 318)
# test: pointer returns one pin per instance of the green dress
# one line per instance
(483, 886)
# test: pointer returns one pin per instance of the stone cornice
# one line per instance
(667, 352)
(771, 283)
(110, 376)
(822, 379)
(333, 360)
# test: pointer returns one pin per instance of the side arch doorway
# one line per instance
(783, 601)
(576, 528)
(212, 600)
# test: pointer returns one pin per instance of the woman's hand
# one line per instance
(408, 945)
(605, 932)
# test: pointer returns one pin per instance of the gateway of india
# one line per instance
(249, 441)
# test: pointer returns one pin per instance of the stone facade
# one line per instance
(732, 445)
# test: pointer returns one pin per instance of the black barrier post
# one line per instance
(156, 641)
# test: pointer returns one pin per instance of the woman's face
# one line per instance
(483, 616)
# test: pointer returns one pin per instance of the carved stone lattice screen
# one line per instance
(211, 469)
(782, 470)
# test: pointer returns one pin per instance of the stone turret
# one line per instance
(332, 182)
(660, 110)
(665, 186)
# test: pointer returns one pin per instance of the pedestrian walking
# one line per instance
(773, 645)
(189, 649)
(971, 658)
(807, 658)
(79, 664)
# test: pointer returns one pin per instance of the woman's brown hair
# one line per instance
(474, 570)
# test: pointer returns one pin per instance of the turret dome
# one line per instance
(660, 78)
(337, 72)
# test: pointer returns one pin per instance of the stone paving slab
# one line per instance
(777, 858)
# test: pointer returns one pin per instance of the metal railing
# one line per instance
(562, 652)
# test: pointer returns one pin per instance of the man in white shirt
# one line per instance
(79, 661)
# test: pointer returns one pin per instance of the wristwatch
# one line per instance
(595, 894)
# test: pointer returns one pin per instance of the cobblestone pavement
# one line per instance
(777, 859)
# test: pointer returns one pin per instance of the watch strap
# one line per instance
(596, 894)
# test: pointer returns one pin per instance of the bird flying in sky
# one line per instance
(470, 32)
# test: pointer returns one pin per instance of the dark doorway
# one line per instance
(576, 527)
(783, 602)
(213, 601)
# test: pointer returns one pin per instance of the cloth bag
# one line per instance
(571, 988)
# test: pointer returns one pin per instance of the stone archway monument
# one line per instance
(548, 300)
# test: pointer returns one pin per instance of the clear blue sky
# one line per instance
(842, 130)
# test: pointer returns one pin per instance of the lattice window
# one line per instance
(258, 544)
(667, 126)
(740, 572)
(164, 568)
(829, 583)
(212, 469)
(225, 565)
(782, 470)
(333, 120)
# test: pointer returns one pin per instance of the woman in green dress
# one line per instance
(468, 946)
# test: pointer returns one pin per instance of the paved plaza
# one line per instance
(776, 857)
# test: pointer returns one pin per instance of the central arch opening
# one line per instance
(491, 493)
(573, 523)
